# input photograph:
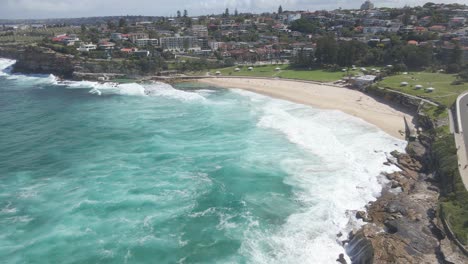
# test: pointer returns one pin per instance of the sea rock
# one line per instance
(363, 215)
(341, 259)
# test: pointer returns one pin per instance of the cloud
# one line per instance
(81, 8)
(52, 6)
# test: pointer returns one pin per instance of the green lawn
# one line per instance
(285, 72)
(445, 93)
(20, 39)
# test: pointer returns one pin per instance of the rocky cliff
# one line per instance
(403, 225)
(38, 60)
(34, 59)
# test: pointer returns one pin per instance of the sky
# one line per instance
(12, 9)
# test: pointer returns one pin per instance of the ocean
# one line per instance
(151, 173)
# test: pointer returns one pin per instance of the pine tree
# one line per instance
(236, 13)
(280, 10)
(122, 22)
(226, 13)
(185, 13)
(178, 13)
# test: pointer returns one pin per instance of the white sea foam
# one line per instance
(344, 176)
(157, 89)
(166, 90)
(5, 66)
(30, 79)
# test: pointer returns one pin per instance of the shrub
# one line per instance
(453, 68)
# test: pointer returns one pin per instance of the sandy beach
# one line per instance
(324, 96)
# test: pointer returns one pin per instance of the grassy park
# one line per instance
(36, 35)
(444, 91)
(284, 72)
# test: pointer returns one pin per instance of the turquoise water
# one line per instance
(92, 173)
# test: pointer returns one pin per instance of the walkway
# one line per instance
(461, 136)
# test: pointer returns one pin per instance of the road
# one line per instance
(461, 138)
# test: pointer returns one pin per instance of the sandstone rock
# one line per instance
(341, 259)
(451, 253)
(417, 151)
(361, 215)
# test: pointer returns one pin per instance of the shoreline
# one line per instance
(323, 96)
(403, 223)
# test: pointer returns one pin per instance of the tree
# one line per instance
(236, 13)
(122, 23)
(178, 13)
(226, 13)
(463, 75)
(110, 24)
(280, 10)
(185, 13)
(304, 26)
(327, 50)
(303, 58)
(350, 52)
(457, 54)
(83, 28)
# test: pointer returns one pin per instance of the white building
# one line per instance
(374, 30)
(180, 43)
(147, 42)
(116, 36)
(134, 36)
(363, 81)
(200, 31)
(290, 17)
(87, 47)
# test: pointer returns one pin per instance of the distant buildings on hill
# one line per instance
(367, 5)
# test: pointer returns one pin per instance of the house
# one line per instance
(290, 17)
(128, 50)
(373, 30)
(134, 36)
(424, 21)
(413, 42)
(116, 36)
(407, 29)
(269, 39)
(420, 29)
(141, 53)
(438, 28)
(66, 39)
(87, 47)
(105, 45)
(457, 22)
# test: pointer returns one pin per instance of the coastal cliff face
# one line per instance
(34, 59)
(37, 60)
(403, 225)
